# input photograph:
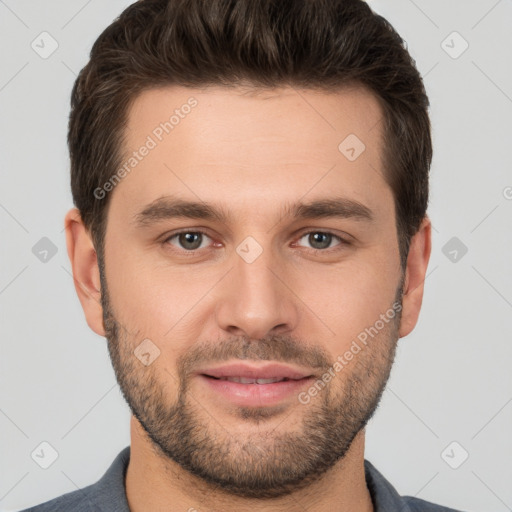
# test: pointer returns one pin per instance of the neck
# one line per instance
(153, 482)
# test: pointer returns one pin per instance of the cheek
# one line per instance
(157, 300)
(342, 301)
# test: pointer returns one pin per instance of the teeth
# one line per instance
(245, 380)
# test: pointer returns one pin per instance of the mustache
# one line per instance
(286, 349)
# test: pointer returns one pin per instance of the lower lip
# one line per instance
(256, 395)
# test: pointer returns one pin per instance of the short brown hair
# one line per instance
(311, 44)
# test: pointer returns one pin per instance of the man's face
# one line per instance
(258, 284)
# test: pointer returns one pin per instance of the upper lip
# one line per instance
(267, 371)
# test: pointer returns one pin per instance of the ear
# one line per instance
(86, 274)
(417, 262)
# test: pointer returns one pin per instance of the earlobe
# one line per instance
(417, 263)
(84, 265)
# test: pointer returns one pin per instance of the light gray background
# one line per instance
(452, 379)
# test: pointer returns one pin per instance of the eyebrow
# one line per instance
(169, 207)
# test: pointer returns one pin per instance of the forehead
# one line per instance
(253, 148)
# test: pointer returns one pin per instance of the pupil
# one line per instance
(316, 238)
(188, 238)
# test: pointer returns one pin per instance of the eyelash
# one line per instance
(194, 252)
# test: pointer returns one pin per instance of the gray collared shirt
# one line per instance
(108, 494)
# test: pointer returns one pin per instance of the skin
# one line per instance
(250, 154)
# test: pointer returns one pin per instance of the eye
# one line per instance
(321, 240)
(188, 240)
(191, 241)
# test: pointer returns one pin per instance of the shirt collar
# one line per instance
(384, 495)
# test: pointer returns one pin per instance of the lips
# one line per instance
(248, 385)
(246, 380)
(251, 374)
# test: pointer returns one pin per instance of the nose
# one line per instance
(257, 298)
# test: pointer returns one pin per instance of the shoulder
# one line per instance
(108, 493)
(77, 501)
(386, 498)
(418, 505)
